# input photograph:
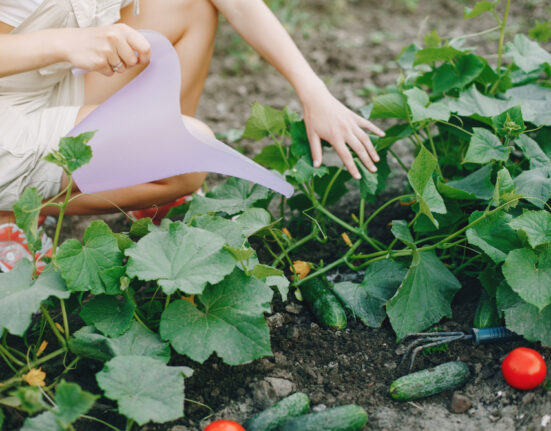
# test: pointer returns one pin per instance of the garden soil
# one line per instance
(351, 45)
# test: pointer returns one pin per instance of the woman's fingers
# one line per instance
(315, 149)
(366, 124)
(361, 152)
(346, 157)
(368, 145)
(126, 54)
(140, 45)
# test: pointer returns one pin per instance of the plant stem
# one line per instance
(433, 147)
(362, 212)
(289, 261)
(90, 418)
(330, 185)
(502, 36)
(382, 207)
(65, 320)
(41, 361)
(62, 209)
(8, 363)
(398, 160)
(296, 244)
(12, 358)
(53, 327)
(129, 424)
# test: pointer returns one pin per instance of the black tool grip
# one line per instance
(492, 335)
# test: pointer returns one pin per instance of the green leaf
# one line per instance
(263, 271)
(367, 300)
(541, 32)
(300, 145)
(140, 227)
(432, 40)
(21, 296)
(144, 388)
(264, 121)
(534, 100)
(271, 157)
(479, 8)
(523, 318)
(29, 398)
(184, 259)
(225, 228)
(432, 55)
(27, 210)
(477, 185)
(536, 225)
(473, 103)
(420, 178)
(392, 105)
(533, 152)
(82, 264)
(509, 123)
(137, 341)
(123, 241)
(240, 254)
(424, 296)
(526, 54)
(108, 314)
(230, 321)
(232, 197)
(369, 182)
(407, 56)
(447, 77)
(73, 152)
(303, 171)
(280, 283)
(504, 190)
(529, 275)
(72, 402)
(535, 185)
(400, 230)
(422, 109)
(485, 147)
(253, 220)
(42, 422)
(493, 235)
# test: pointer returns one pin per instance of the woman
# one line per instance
(41, 100)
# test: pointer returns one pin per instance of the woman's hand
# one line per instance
(106, 49)
(328, 119)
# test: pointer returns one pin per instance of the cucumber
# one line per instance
(431, 381)
(323, 303)
(486, 315)
(344, 418)
(269, 419)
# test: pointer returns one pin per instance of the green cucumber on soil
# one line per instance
(344, 418)
(269, 419)
(424, 383)
(486, 315)
(323, 303)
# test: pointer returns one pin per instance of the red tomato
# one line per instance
(224, 425)
(524, 368)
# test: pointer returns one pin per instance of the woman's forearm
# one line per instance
(28, 51)
(254, 21)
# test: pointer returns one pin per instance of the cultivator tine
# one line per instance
(426, 340)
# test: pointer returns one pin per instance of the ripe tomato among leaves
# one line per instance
(524, 368)
(224, 425)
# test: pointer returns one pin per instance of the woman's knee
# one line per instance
(195, 125)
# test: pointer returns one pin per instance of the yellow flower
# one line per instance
(301, 268)
(286, 233)
(41, 349)
(35, 377)
(346, 239)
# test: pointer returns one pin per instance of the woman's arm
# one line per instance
(325, 117)
(95, 48)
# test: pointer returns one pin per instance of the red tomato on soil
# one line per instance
(224, 425)
(524, 368)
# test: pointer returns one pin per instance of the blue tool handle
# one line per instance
(491, 335)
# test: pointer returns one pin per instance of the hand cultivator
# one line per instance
(425, 340)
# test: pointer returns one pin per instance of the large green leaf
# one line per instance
(472, 102)
(536, 225)
(73, 152)
(400, 230)
(493, 235)
(535, 102)
(145, 389)
(535, 185)
(529, 275)
(477, 185)
(466, 69)
(303, 171)
(42, 422)
(225, 228)
(392, 105)
(264, 121)
(253, 220)
(527, 54)
(232, 197)
(504, 190)
(432, 55)
(272, 157)
(230, 321)
(367, 300)
(184, 259)
(479, 8)
(137, 341)
(523, 318)
(422, 109)
(485, 147)
(72, 402)
(108, 314)
(533, 152)
(21, 296)
(27, 210)
(83, 264)
(424, 296)
(420, 178)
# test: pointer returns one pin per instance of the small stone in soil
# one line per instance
(179, 428)
(460, 403)
(319, 408)
(527, 398)
(293, 308)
